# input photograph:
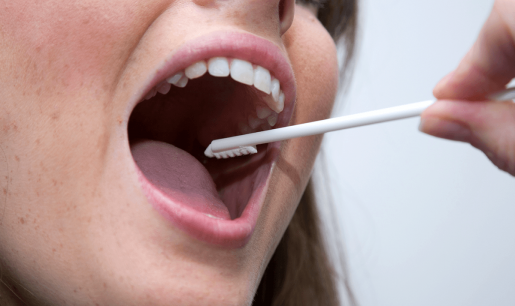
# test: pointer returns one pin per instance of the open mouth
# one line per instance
(220, 92)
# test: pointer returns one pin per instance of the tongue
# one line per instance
(179, 175)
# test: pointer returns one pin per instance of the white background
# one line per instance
(424, 221)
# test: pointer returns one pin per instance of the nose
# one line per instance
(279, 12)
(286, 14)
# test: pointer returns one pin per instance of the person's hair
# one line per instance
(300, 271)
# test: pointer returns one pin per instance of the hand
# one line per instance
(462, 113)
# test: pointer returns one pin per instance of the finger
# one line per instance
(490, 63)
(488, 126)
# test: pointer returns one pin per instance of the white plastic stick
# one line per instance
(246, 144)
(319, 127)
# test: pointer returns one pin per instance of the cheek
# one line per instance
(54, 45)
(58, 59)
(313, 56)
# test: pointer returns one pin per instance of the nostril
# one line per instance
(286, 13)
(203, 2)
(281, 10)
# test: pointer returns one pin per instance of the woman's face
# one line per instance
(106, 197)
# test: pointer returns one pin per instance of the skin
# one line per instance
(75, 229)
(462, 112)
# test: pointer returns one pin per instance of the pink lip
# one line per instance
(225, 233)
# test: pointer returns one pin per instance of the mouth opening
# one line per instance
(170, 129)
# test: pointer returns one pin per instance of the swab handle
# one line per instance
(322, 126)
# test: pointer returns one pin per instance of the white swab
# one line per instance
(235, 146)
(246, 144)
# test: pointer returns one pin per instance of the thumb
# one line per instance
(490, 63)
(488, 126)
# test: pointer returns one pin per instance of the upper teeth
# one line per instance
(174, 79)
(219, 67)
(262, 79)
(164, 88)
(196, 70)
(179, 79)
(240, 71)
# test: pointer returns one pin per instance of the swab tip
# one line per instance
(244, 150)
(209, 152)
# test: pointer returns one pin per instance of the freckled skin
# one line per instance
(74, 226)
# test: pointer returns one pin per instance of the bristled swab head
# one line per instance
(246, 150)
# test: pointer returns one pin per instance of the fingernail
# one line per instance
(446, 129)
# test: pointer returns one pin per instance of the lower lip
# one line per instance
(225, 233)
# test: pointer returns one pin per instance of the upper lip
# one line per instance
(244, 46)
